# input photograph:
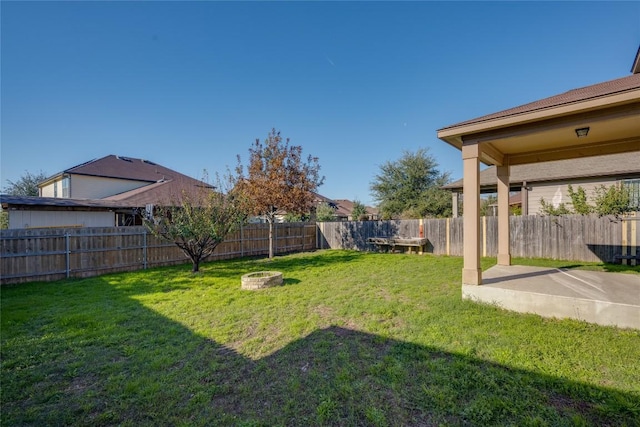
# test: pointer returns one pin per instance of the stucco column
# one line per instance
(471, 272)
(454, 203)
(504, 253)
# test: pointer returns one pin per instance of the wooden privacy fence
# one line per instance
(52, 254)
(572, 237)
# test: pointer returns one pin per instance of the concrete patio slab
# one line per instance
(610, 299)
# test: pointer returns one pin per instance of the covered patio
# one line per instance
(610, 299)
(595, 120)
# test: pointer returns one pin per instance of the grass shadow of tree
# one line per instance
(104, 358)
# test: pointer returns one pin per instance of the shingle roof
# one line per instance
(57, 202)
(113, 166)
(612, 165)
(164, 192)
(164, 184)
(346, 206)
(635, 68)
(573, 96)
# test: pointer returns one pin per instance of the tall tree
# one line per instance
(278, 179)
(411, 187)
(27, 185)
(200, 220)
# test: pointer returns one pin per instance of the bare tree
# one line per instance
(278, 180)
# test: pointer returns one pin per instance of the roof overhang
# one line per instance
(52, 203)
(550, 133)
(635, 68)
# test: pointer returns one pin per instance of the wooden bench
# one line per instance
(620, 258)
(386, 244)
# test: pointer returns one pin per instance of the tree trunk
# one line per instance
(270, 220)
(196, 266)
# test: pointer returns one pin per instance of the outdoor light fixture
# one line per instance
(582, 132)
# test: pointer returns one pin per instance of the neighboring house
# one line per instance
(107, 176)
(342, 210)
(550, 180)
(515, 202)
(50, 212)
(345, 209)
(106, 192)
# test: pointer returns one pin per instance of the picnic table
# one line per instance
(386, 244)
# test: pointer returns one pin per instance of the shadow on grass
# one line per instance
(94, 356)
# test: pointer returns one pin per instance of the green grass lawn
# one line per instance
(349, 339)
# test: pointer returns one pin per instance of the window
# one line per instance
(634, 192)
(65, 186)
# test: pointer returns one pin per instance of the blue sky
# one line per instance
(190, 85)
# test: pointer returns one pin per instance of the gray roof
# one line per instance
(612, 165)
(8, 201)
(573, 96)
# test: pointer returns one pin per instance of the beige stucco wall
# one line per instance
(35, 219)
(50, 189)
(92, 187)
(557, 192)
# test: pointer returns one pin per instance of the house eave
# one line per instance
(635, 68)
(453, 135)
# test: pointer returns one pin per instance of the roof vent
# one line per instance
(126, 159)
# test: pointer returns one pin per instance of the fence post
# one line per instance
(448, 236)
(241, 240)
(67, 254)
(144, 249)
(634, 240)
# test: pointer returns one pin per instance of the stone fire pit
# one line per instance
(261, 279)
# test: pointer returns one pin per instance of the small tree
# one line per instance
(486, 205)
(515, 210)
(359, 211)
(279, 180)
(4, 219)
(579, 201)
(293, 217)
(200, 220)
(324, 212)
(27, 185)
(548, 208)
(613, 200)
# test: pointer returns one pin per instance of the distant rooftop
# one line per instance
(612, 165)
